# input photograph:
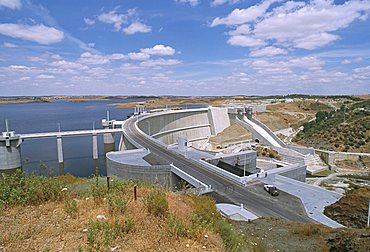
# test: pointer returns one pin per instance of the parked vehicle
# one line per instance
(271, 189)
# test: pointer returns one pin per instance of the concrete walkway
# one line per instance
(314, 198)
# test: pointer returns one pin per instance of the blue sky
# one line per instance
(184, 47)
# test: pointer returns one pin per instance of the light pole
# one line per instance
(245, 162)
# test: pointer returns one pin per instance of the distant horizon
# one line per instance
(184, 47)
(165, 95)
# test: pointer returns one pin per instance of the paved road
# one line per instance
(261, 205)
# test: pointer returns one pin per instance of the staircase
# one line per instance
(314, 164)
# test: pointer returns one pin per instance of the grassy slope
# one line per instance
(44, 216)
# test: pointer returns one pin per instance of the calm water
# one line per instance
(40, 155)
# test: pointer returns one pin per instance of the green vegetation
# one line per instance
(19, 189)
(156, 203)
(71, 207)
(345, 129)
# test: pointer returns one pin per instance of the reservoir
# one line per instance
(39, 156)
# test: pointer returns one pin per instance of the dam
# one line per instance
(166, 147)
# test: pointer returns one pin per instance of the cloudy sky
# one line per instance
(184, 47)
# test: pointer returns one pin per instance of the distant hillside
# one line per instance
(345, 129)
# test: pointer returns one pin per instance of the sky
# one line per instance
(184, 47)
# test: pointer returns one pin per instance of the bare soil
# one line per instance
(352, 209)
(283, 235)
(233, 133)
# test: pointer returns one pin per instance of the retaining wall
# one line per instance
(330, 157)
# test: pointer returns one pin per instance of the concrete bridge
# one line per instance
(10, 142)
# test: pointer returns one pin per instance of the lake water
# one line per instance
(40, 155)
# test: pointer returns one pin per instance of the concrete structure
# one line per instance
(130, 165)
(314, 198)
(60, 149)
(10, 153)
(330, 157)
(195, 124)
(234, 212)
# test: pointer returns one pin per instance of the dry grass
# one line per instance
(161, 102)
(47, 226)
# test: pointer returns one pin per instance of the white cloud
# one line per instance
(159, 62)
(18, 68)
(191, 2)
(242, 16)
(159, 50)
(138, 56)
(362, 73)
(220, 2)
(267, 51)
(244, 29)
(12, 4)
(38, 33)
(9, 45)
(117, 56)
(293, 24)
(24, 78)
(245, 41)
(45, 77)
(308, 63)
(93, 59)
(89, 21)
(113, 18)
(63, 64)
(137, 27)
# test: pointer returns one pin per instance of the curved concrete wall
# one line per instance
(160, 174)
(195, 124)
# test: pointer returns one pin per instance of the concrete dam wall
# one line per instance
(196, 124)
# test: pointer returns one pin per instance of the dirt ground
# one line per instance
(352, 209)
(282, 235)
(233, 133)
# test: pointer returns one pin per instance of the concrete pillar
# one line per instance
(60, 149)
(108, 137)
(10, 153)
(95, 146)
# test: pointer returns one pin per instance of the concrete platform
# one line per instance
(314, 198)
(234, 212)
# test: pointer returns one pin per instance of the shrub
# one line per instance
(99, 235)
(19, 189)
(156, 203)
(124, 227)
(176, 226)
(116, 203)
(71, 207)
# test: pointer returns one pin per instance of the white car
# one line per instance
(271, 189)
